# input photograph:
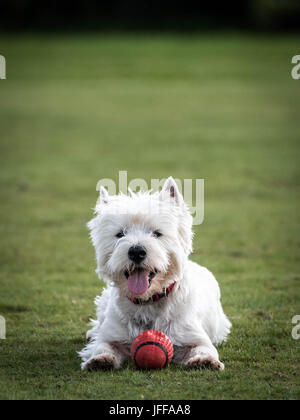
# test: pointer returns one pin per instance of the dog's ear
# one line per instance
(104, 196)
(170, 190)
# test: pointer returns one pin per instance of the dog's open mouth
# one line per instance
(139, 280)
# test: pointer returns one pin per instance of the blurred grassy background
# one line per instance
(75, 109)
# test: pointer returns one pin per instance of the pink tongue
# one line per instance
(138, 282)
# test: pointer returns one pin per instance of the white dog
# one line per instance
(142, 244)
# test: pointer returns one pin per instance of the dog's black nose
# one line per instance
(137, 254)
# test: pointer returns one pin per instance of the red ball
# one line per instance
(152, 350)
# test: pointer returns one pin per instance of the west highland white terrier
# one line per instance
(143, 242)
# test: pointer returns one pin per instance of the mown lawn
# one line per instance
(75, 109)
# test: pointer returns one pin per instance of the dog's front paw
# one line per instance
(205, 363)
(103, 362)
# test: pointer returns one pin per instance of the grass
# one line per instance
(75, 109)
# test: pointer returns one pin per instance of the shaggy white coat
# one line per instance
(192, 315)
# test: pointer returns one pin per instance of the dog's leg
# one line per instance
(106, 356)
(198, 357)
(202, 355)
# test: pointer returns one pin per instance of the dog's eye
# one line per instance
(120, 235)
(157, 234)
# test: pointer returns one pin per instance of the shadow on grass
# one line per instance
(13, 309)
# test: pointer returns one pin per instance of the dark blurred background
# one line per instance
(283, 15)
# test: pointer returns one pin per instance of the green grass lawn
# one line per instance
(75, 109)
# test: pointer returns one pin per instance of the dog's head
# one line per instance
(142, 240)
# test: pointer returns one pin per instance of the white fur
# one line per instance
(192, 315)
